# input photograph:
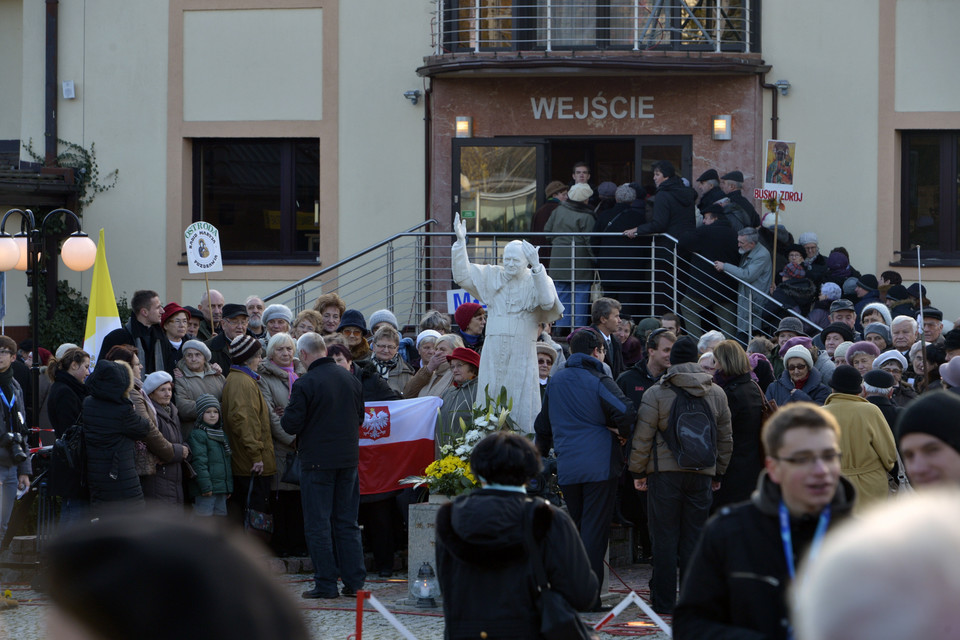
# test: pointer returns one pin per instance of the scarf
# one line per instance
(291, 376)
(384, 367)
(217, 435)
(246, 370)
(469, 339)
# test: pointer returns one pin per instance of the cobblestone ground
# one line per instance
(337, 618)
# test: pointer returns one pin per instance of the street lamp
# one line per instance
(22, 252)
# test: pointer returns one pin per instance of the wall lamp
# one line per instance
(413, 95)
(464, 127)
(722, 128)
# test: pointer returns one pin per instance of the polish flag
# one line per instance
(396, 441)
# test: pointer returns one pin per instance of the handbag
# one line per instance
(767, 408)
(596, 289)
(291, 469)
(145, 461)
(558, 620)
(899, 485)
(253, 519)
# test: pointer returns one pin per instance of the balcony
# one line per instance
(649, 35)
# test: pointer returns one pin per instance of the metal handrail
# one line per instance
(549, 25)
(350, 258)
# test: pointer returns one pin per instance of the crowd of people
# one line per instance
(201, 408)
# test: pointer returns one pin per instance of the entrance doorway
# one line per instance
(501, 180)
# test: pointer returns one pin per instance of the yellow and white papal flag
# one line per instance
(102, 314)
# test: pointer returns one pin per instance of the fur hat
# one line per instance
(466, 355)
(934, 413)
(154, 380)
(579, 192)
(275, 311)
(846, 379)
(197, 346)
(464, 314)
(353, 318)
(861, 347)
(837, 327)
(384, 315)
(798, 351)
(791, 324)
(892, 354)
(244, 347)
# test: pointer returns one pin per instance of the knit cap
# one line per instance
(204, 402)
(807, 237)
(275, 311)
(198, 346)
(384, 315)
(880, 329)
(846, 379)
(934, 413)
(798, 351)
(579, 192)
(243, 348)
(464, 314)
(155, 380)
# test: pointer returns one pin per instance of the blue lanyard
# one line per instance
(788, 540)
(9, 405)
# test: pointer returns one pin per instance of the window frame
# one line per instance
(948, 248)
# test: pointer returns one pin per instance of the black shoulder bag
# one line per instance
(558, 620)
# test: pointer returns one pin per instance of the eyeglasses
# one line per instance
(352, 332)
(797, 367)
(543, 361)
(386, 347)
(809, 459)
(178, 321)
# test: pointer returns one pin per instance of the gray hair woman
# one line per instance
(166, 485)
(277, 375)
(434, 377)
(386, 357)
(193, 377)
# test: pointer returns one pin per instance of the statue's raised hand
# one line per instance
(531, 253)
(460, 228)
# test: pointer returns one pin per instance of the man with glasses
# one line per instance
(233, 323)
(741, 570)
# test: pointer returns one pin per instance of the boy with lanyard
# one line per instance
(749, 553)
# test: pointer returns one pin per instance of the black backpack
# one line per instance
(691, 433)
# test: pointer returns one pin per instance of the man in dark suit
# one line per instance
(605, 318)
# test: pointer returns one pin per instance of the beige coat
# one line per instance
(246, 419)
(866, 441)
(426, 383)
(191, 386)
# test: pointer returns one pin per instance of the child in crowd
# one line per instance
(210, 449)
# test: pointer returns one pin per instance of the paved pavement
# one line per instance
(337, 618)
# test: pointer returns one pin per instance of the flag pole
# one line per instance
(923, 346)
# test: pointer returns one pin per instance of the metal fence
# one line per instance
(629, 25)
(409, 273)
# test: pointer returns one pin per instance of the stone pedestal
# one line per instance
(421, 545)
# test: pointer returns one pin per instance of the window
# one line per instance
(929, 210)
(261, 194)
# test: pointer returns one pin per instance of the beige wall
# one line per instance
(927, 51)
(828, 52)
(11, 67)
(382, 135)
(252, 64)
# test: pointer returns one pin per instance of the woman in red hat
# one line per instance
(174, 323)
(458, 399)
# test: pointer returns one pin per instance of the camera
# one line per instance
(14, 442)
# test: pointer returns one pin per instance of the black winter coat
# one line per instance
(375, 388)
(717, 241)
(480, 551)
(65, 401)
(736, 583)
(738, 198)
(673, 209)
(326, 410)
(746, 462)
(617, 255)
(710, 197)
(111, 426)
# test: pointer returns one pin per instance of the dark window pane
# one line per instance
(306, 201)
(923, 191)
(240, 194)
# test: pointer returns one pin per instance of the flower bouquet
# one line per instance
(451, 474)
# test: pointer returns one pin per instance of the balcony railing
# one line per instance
(476, 26)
